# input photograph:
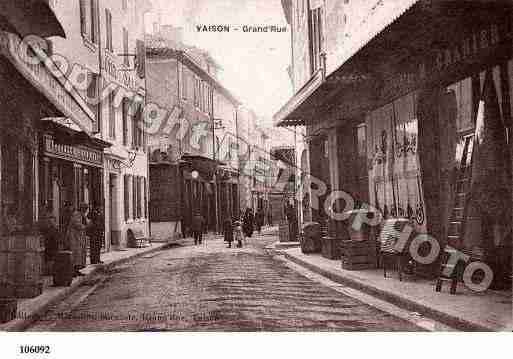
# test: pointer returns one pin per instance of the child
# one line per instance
(228, 232)
(239, 236)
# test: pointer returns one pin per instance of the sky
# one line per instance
(254, 64)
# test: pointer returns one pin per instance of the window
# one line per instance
(184, 84)
(145, 198)
(108, 24)
(315, 33)
(137, 130)
(139, 197)
(112, 115)
(93, 90)
(125, 114)
(126, 58)
(134, 197)
(124, 4)
(196, 92)
(89, 20)
(126, 188)
(361, 144)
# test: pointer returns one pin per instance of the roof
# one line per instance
(189, 61)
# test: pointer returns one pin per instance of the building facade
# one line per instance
(412, 120)
(105, 47)
(190, 174)
(56, 146)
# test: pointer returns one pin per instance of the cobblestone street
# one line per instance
(212, 288)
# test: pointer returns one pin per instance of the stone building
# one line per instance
(188, 175)
(409, 103)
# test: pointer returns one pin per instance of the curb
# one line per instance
(21, 324)
(393, 298)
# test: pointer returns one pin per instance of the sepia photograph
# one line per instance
(204, 167)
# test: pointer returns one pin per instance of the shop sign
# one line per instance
(72, 153)
(126, 78)
(468, 50)
(41, 77)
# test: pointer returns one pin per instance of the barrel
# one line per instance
(21, 264)
(63, 269)
(8, 309)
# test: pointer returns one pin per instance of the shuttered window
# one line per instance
(126, 58)
(315, 32)
(108, 24)
(93, 98)
(125, 115)
(145, 198)
(89, 19)
(112, 115)
(134, 197)
(95, 21)
(126, 191)
(84, 17)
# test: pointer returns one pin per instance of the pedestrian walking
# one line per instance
(76, 237)
(239, 235)
(259, 220)
(248, 222)
(198, 224)
(96, 232)
(228, 232)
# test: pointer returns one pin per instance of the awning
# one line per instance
(68, 132)
(30, 17)
(392, 31)
(318, 88)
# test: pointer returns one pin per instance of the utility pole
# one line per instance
(214, 149)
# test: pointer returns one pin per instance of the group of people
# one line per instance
(79, 226)
(238, 230)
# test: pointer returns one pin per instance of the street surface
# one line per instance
(212, 288)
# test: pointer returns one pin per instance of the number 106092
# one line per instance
(35, 349)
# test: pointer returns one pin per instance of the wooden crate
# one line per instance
(284, 231)
(331, 248)
(359, 255)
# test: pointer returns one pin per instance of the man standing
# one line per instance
(198, 223)
(96, 232)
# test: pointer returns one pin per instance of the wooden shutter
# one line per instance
(83, 17)
(125, 121)
(125, 47)
(134, 196)
(126, 189)
(141, 59)
(112, 115)
(108, 23)
(95, 21)
(145, 199)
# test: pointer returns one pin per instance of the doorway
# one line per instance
(115, 232)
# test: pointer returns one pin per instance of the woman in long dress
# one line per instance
(77, 238)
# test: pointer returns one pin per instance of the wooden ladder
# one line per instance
(457, 217)
(461, 194)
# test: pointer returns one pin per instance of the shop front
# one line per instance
(30, 160)
(70, 173)
(423, 130)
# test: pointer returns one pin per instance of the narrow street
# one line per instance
(212, 288)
